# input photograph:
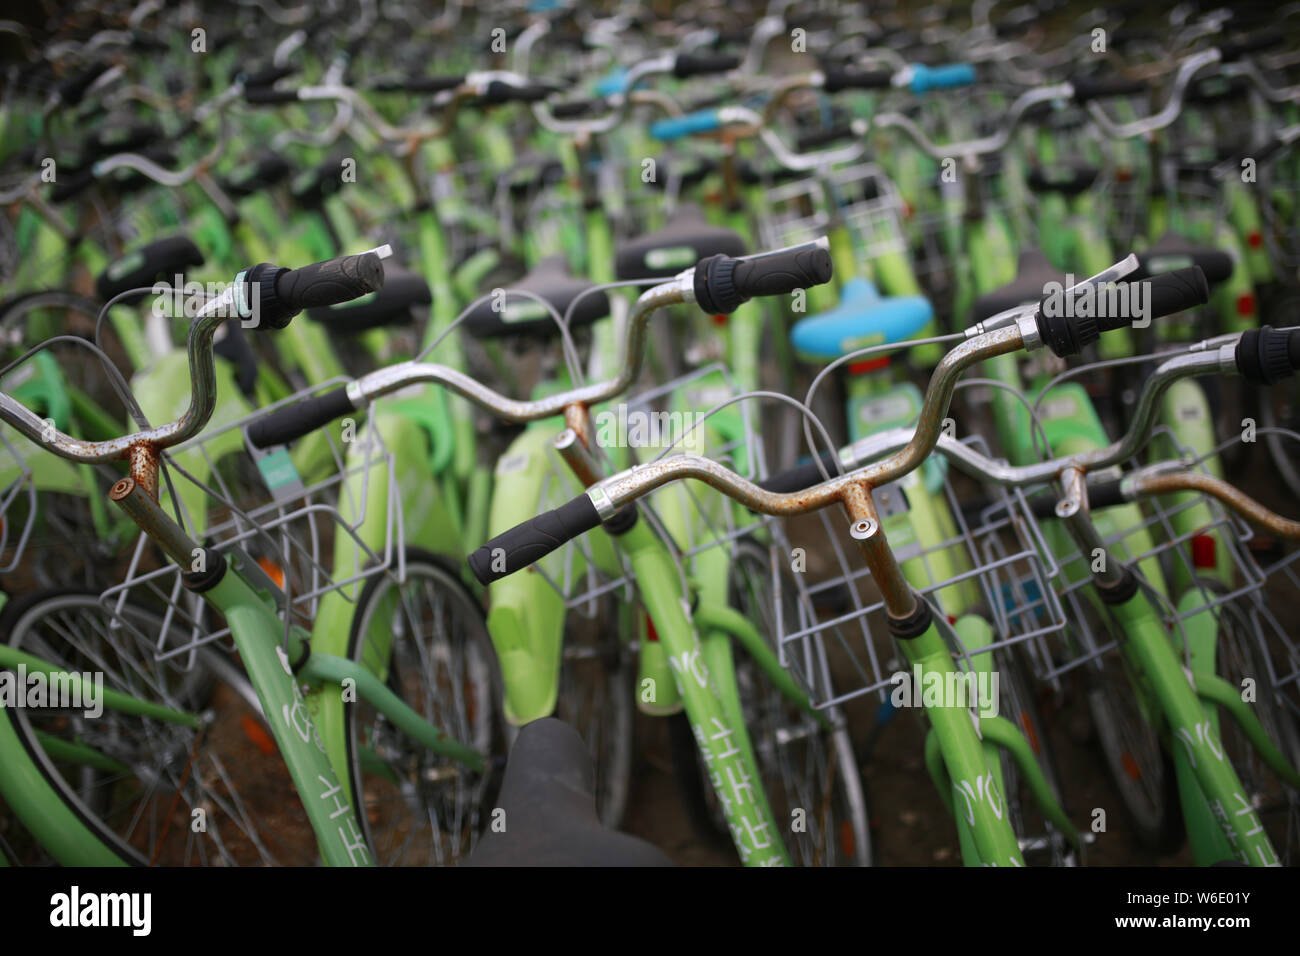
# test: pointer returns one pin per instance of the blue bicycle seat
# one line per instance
(863, 318)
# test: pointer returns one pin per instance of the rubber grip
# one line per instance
(1090, 88)
(573, 108)
(330, 282)
(71, 185)
(700, 64)
(268, 76)
(723, 284)
(676, 127)
(266, 96)
(301, 418)
(824, 137)
(161, 259)
(417, 84)
(613, 83)
(949, 77)
(533, 540)
(838, 78)
(1101, 494)
(499, 92)
(1175, 291)
(802, 476)
(1267, 355)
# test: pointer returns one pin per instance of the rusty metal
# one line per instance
(578, 418)
(869, 534)
(153, 521)
(1239, 501)
(1074, 497)
(577, 456)
(142, 459)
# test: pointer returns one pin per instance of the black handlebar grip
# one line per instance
(417, 84)
(802, 476)
(266, 96)
(1173, 292)
(268, 76)
(1101, 494)
(1093, 88)
(283, 293)
(699, 64)
(573, 108)
(724, 284)
(1068, 324)
(1267, 355)
(301, 418)
(825, 136)
(330, 282)
(1253, 43)
(533, 540)
(499, 92)
(839, 78)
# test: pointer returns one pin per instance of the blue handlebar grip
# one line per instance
(926, 78)
(612, 83)
(678, 126)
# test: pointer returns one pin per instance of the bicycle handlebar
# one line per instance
(266, 294)
(719, 284)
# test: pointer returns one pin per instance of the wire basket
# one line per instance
(694, 519)
(1207, 553)
(835, 640)
(319, 520)
(17, 505)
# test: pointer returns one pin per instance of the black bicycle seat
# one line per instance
(392, 305)
(1172, 251)
(684, 241)
(551, 280)
(1068, 179)
(1033, 273)
(161, 260)
(549, 801)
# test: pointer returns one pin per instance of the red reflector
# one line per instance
(1203, 551)
(952, 619)
(719, 320)
(650, 633)
(1123, 174)
(868, 365)
(1255, 240)
(1246, 304)
(907, 210)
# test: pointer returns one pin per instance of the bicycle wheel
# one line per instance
(810, 774)
(1139, 768)
(418, 808)
(595, 698)
(154, 791)
(1242, 655)
(1040, 842)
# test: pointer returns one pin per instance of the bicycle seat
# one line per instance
(261, 173)
(864, 317)
(684, 241)
(1068, 179)
(161, 260)
(393, 304)
(518, 315)
(1033, 273)
(549, 801)
(1172, 251)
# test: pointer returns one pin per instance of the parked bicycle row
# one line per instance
(398, 411)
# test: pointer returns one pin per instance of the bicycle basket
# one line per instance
(989, 563)
(318, 520)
